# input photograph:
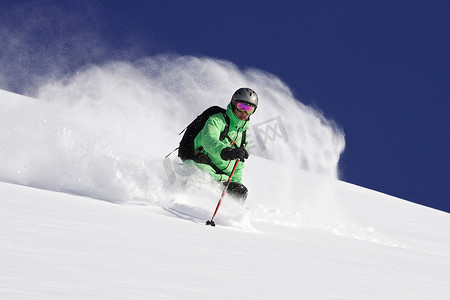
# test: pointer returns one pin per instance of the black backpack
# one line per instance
(186, 148)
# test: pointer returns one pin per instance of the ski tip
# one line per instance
(210, 223)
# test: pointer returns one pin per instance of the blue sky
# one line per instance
(379, 69)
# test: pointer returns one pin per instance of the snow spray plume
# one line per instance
(42, 40)
(104, 131)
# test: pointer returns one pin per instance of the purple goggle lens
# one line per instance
(245, 107)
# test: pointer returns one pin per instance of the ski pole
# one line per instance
(223, 194)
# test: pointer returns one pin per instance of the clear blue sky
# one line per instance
(380, 69)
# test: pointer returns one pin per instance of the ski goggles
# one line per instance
(243, 107)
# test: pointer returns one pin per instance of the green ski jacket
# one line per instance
(209, 143)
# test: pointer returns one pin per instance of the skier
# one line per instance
(216, 148)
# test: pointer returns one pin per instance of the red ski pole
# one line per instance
(223, 195)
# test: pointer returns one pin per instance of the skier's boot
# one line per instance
(238, 191)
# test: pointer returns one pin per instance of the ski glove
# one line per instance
(230, 153)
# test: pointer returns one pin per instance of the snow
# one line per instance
(60, 246)
(90, 209)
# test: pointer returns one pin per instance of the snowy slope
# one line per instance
(60, 246)
(90, 209)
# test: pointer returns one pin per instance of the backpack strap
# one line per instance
(202, 158)
(224, 133)
(244, 139)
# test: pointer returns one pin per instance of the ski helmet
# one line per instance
(246, 95)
